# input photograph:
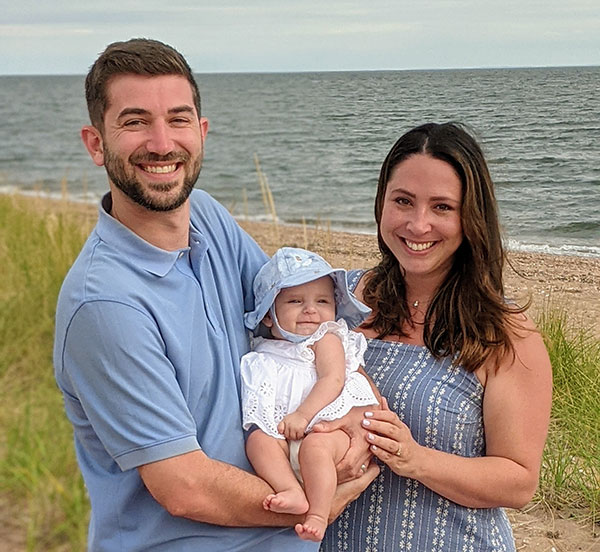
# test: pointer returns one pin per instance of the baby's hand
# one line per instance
(293, 426)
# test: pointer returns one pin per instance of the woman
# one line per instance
(465, 374)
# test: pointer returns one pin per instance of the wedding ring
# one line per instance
(397, 453)
(364, 468)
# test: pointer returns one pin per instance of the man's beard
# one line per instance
(133, 188)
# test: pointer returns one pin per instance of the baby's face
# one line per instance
(302, 309)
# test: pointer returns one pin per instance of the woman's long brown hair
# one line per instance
(468, 318)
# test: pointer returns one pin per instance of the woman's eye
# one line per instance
(402, 201)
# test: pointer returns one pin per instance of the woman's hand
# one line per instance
(391, 441)
(358, 456)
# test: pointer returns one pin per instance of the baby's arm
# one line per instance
(330, 362)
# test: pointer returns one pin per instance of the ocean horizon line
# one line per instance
(329, 71)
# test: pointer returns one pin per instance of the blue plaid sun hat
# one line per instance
(291, 267)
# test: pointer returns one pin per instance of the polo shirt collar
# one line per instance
(153, 259)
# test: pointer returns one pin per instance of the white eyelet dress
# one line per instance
(442, 406)
(278, 375)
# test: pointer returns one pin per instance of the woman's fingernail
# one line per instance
(373, 448)
(366, 422)
(368, 414)
(371, 437)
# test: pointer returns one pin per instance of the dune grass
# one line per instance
(39, 478)
(38, 472)
(570, 478)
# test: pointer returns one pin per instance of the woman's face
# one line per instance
(421, 217)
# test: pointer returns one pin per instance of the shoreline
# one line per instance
(512, 245)
(566, 283)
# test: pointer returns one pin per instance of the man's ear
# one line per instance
(203, 127)
(92, 140)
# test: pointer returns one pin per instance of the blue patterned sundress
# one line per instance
(442, 405)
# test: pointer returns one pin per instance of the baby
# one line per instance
(305, 374)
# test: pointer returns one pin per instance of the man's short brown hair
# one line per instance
(138, 56)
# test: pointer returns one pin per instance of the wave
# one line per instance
(577, 227)
(88, 197)
(564, 249)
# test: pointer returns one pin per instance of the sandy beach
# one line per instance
(559, 281)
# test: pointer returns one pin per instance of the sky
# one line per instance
(65, 36)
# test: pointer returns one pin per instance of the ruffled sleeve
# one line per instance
(354, 343)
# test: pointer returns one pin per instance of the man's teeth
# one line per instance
(159, 170)
(418, 246)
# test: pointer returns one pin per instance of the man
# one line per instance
(149, 328)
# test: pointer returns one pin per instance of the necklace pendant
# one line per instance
(415, 303)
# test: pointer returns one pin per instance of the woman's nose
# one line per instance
(419, 222)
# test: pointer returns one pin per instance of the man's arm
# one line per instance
(194, 486)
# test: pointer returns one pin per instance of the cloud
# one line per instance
(275, 35)
(42, 31)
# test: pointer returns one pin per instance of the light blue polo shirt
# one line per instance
(147, 352)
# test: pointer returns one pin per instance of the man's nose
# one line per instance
(159, 139)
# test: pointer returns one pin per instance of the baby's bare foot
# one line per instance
(312, 529)
(291, 501)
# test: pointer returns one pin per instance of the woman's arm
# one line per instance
(516, 414)
(331, 373)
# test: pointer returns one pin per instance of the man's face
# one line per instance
(152, 144)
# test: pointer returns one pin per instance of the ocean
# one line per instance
(320, 139)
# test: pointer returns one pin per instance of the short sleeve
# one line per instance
(125, 384)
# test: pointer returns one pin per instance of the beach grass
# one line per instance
(41, 491)
(38, 471)
(570, 478)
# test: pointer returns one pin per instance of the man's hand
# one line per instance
(351, 490)
(358, 455)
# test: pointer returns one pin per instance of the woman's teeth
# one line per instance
(418, 246)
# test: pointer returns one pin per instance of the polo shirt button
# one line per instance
(180, 254)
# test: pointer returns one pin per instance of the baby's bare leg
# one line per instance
(270, 459)
(319, 454)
